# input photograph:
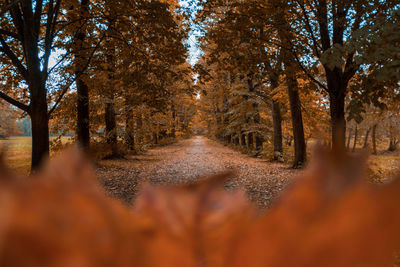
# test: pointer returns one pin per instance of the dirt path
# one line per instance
(190, 160)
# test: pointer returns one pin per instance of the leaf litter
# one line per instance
(189, 161)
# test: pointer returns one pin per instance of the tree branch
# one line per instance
(14, 102)
(308, 73)
(17, 63)
(65, 90)
(310, 30)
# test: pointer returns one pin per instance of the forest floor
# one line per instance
(192, 159)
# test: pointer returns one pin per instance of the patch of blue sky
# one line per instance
(195, 33)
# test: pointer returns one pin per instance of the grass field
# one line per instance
(17, 150)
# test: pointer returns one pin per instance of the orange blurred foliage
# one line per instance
(329, 217)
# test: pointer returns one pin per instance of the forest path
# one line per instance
(190, 160)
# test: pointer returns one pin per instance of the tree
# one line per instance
(26, 35)
(344, 37)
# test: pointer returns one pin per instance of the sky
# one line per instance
(194, 49)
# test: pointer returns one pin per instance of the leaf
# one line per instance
(329, 216)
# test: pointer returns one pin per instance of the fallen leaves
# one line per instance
(189, 161)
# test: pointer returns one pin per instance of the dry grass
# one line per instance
(383, 166)
(17, 150)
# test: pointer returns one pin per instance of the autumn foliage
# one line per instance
(329, 217)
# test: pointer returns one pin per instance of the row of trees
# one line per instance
(107, 67)
(319, 62)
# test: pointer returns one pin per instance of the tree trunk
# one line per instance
(228, 138)
(277, 122)
(139, 125)
(40, 129)
(111, 127)
(173, 131)
(338, 124)
(129, 127)
(155, 138)
(374, 151)
(243, 139)
(349, 138)
(83, 125)
(236, 140)
(366, 138)
(393, 144)
(298, 130)
(259, 143)
(355, 139)
(250, 141)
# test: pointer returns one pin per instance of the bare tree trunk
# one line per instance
(393, 144)
(111, 127)
(243, 139)
(337, 112)
(366, 137)
(259, 139)
(300, 155)
(129, 126)
(250, 144)
(82, 90)
(236, 140)
(277, 122)
(40, 130)
(374, 151)
(155, 138)
(349, 138)
(173, 130)
(355, 139)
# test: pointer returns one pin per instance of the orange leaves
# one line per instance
(329, 217)
(62, 219)
(194, 224)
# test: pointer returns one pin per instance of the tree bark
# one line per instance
(38, 109)
(40, 125)
(259, 139)
(277, 122)
(228, 138)
(374, 151)
(355, 139)
(83, 124)
(250, 144)
(129, 126)
(83, 121)
(393, 144)
(111, 126)
(366, 138)
(236, 140)
(349, 138)
(338, 124)
(155, 138)
(173, 131)
(300, 153)
(139, 125)
(243, 139)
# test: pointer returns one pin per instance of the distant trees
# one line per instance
(8, 121)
